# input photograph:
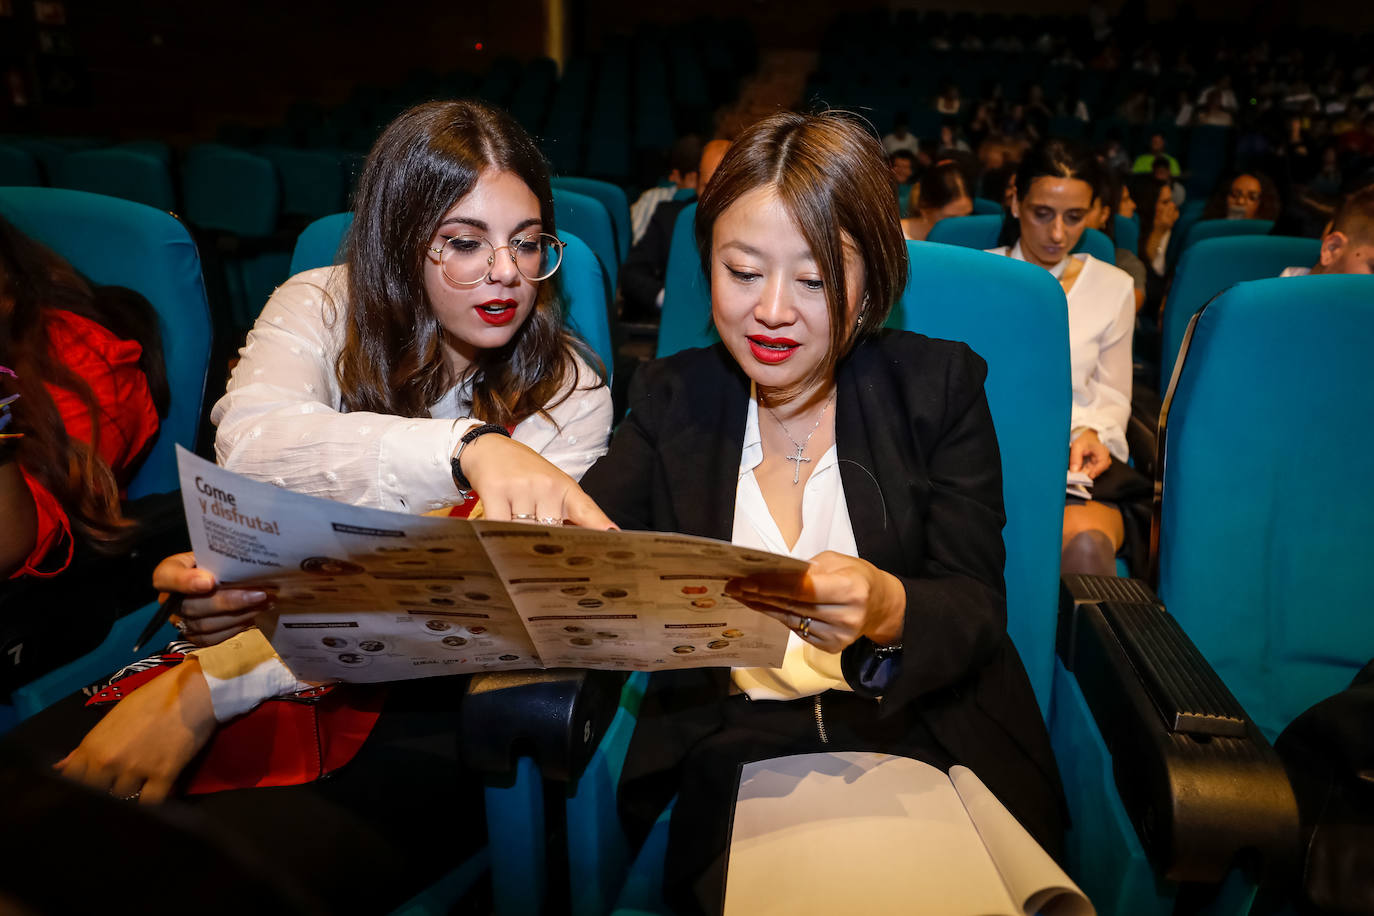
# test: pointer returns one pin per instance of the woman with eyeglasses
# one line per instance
(1249, 195)
(431, 365)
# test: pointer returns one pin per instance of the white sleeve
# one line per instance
(280, 420)
(243, 671)
(1106, 407)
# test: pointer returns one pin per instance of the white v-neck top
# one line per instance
(806, 670)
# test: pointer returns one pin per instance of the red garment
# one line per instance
(128, 421)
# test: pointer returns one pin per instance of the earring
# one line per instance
(863, 308)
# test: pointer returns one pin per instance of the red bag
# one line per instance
(284, 741)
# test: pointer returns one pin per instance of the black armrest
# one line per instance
(1202, 785)
(556, 717)
(45, 623)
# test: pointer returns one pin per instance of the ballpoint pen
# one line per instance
(164, 612)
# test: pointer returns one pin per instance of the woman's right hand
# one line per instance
(516, 482)
(208, 615)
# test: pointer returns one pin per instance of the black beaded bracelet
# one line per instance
(459, 477)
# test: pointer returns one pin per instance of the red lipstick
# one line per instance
(496, 311)
(771, 349)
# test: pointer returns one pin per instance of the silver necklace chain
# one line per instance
(800, 454)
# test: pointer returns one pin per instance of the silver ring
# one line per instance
(130, 798)
(804, 630)
(180, 625)
(523, 516)
(550, 520)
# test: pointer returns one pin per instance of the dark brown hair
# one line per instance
(393, 360)
(941, 186)
(1355, 216)
(1054, 157)
(34, 282)
(831, 174)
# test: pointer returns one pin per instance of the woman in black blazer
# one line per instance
(811, 430)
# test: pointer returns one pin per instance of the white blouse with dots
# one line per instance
(282, 418)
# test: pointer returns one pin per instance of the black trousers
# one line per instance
(364, 839)
(699, 833)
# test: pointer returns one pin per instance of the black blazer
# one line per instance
(922, 479)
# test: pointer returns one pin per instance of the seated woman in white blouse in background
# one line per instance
(374, 382)
(1056, 193)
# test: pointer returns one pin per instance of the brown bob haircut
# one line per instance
(831, 174)
(393, 360)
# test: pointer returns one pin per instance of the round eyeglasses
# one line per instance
(468, 259)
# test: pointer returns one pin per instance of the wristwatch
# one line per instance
(459, 477)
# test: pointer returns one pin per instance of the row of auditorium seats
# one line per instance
(1227, 483)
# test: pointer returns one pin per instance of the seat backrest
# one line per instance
(1014, 316)
(587, 218)
(613, 198)
(686, 318)
(150, 252)
(983, 207)
(1098, 245)
(312, 181)
(229, 190)
(18, 167)
(981, 232)
(968, 231)
(320, 244)
(580, 278)
(1265, 532)
(1127, 232)
(122, 173)
(1214, 264)
(1219, 228)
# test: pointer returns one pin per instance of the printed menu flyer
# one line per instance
(362, 594)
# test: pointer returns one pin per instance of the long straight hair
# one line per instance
(830, 173)
(393, 360)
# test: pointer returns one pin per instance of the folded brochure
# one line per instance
(361, 594)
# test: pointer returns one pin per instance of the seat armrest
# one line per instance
(557, 717)
(1202, 785)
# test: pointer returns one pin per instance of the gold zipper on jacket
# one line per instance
(820, 721)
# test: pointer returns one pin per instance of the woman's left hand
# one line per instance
(844, 598)
(1089, 455)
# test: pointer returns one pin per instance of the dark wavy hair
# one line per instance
(34, 282)
(393, 360)
(1053, 157)
(831, 174)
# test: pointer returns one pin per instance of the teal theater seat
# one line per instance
(149, 251)
(613, 198)
(588, 219)
(1213, 265)
(1220, 228)
(122, 173)
(18, 167)
(981, 232)
(1127, 232)
(686, 318)
(1263, 538)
